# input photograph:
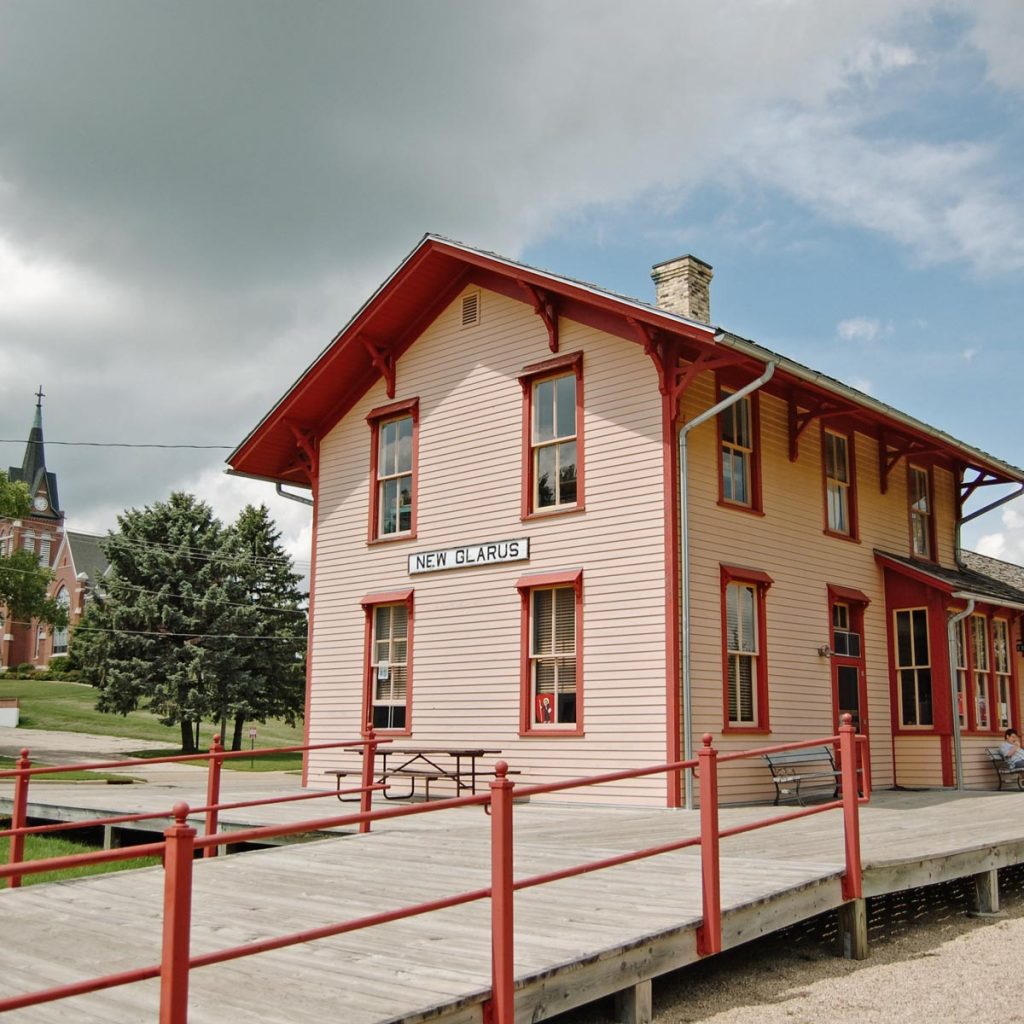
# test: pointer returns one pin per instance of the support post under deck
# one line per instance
(633, 1004)
(853, 929)
(985, 894)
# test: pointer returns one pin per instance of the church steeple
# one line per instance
(42, 485)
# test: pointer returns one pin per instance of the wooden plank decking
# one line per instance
(576, 940)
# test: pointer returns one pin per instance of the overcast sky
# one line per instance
(196, 196)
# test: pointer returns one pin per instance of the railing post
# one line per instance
(369, 760)
(709, 934)
(852, 888)
(179, 844)
(213, 767)
(19, 813)
(502, 899)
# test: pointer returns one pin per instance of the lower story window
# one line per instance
(745, 669)
(913, 667)
(389, 661)
(552, 684)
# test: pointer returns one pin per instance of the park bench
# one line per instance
(796, 771)
(1003, 769)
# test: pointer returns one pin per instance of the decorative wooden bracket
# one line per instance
(673, 377)
(546, 307)
(890, 453)
(800, 420)
(384, 359)
(308, 455)
(983, 479)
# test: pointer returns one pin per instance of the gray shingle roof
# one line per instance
(970, 579)
(88, 555)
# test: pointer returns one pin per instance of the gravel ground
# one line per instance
(929, 962)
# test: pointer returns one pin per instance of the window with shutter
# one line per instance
(388, 661)
(744, 663)
(552, 631)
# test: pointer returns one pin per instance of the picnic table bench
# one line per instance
(794, 771)
(1003, 768)
(426, 765)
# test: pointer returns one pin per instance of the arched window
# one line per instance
(60, 636)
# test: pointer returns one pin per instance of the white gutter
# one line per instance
(951, 622)
(684, 543)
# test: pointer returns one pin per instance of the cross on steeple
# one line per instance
(39, 397)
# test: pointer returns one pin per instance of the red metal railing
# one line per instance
(180, 842)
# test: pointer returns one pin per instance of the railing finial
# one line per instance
(501, 769)
(707, 739)
(180, 812)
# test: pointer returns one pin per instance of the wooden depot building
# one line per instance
(586, 530)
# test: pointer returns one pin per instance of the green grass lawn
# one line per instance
(71, 707)
(266, 763)
(41, 847)
(10, 762)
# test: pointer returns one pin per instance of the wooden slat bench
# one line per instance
(795, 771)
(1003, 769)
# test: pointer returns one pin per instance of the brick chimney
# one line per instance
(683, 286)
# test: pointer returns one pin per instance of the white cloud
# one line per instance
(968, 354)
(862, 384)
(877, 58)
(1007, 543)
(863, 328)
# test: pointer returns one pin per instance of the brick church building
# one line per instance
(75, 558)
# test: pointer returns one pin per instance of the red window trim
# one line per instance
(375, 417)
(526, 585)
(837, 592)
(933, 556)
(762, 582)
(857, 602)
(530, 375)
(369, 604)
(851, 491)
(970, 728)
(756, 506)
(939, 725)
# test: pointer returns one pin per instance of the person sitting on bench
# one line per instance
(1011, 749)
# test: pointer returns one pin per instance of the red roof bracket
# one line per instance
(384, 359)
(890, 453)
(546, 307)
(308, 454)
(801, 419)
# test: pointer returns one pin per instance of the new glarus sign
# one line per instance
(468, 555)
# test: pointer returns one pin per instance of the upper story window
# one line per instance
(913, 667)
(743, 625)
(739, 462)
(840, 492)
(28, 541)
(553, 435)
(60, 636)
(44, 551)
(919, 493)
(394, 458)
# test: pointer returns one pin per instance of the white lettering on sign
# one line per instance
(467, 555)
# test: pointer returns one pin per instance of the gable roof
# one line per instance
(87, 555)
(279, 448)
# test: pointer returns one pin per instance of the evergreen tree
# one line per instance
(273, 669)
(23, 581)
(164, 633)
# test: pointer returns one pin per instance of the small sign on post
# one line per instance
(252, 743)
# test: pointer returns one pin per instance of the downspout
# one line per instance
(293, 497)
(974, 515)
(951, 623)
(684, 543)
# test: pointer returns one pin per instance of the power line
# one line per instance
(166, 635)
(118, 444)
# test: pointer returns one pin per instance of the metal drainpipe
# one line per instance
(958, 757)
(293, 497)
(684, 543)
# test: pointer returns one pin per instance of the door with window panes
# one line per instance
(848, 680)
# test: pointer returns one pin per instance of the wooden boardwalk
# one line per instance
(576, 940)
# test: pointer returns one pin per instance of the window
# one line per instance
(60, 636)
(44, 551)
(1004, 678)
(745, 664)
(388, 661)
(28, 541)
(40, 642)
(849, 694)
(840, 499)
(845, 639)
(913, 667)
(394, 458)
(919, 494)
(553, 436)
(552, 625)
(960, 635)
(739, 466)
(981, 674)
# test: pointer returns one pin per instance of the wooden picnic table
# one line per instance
(457, 765)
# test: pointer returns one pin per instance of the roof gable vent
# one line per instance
(470, 309)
